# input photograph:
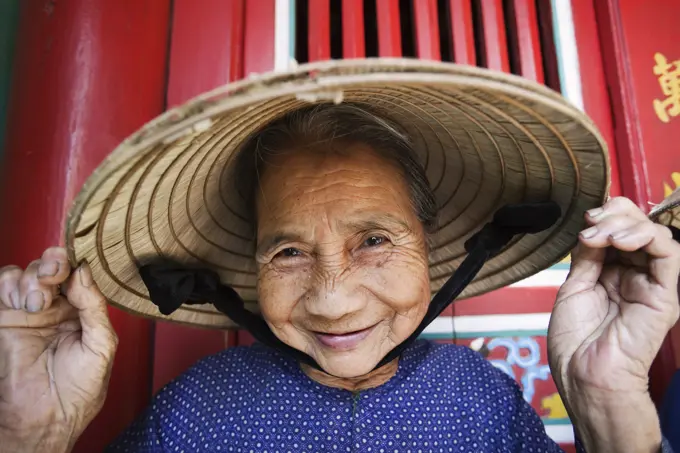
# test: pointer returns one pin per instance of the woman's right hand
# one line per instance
(56, 351)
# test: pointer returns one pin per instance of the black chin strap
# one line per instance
(172, 284)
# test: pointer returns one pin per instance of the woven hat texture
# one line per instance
(485, 139)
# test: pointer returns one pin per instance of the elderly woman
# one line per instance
(352, 215)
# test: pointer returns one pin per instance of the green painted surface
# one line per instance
(556, 421)
(9, 15)
(488, 334)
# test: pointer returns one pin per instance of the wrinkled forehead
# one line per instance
(301, 181)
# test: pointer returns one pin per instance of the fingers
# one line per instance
(657, 241)
(54, 267)
(97, 332)
(33, 295)
(59, 312)
(618, 206)
(621, 225)
(599, 235)
(34, 288)
(9, 287)
(586, 267)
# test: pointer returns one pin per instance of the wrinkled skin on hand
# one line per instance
(614, 310)
(56, 351)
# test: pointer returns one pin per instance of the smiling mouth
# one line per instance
(345, 341)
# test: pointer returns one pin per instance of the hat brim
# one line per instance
(486, 139)
(668, 211)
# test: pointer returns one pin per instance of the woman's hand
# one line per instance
(56, 350)
(609, 321)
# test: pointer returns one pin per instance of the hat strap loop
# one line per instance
(172, 284)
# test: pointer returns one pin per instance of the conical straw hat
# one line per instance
(668, 212)
(486, 139)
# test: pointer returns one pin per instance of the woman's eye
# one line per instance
(374, 241)
(290, 252)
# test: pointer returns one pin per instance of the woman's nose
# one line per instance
(335, 297)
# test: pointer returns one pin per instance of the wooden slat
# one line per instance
(258, 53)
(495, 40)
(389, 31)
(547, 35)
(353, 40)
(319, 30)
(515, 300)
(524, 27)
(199, 34)
(462, 30)
(596, 98)
(427, 29)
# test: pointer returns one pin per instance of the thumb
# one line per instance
(97, 332)
(585, 270)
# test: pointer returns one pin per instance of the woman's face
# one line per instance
(342, 257)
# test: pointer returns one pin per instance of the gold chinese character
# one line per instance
(667, 188)
(669, 79)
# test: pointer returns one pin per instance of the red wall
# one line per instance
(87, 73)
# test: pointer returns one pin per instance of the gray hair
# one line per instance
(322, 124)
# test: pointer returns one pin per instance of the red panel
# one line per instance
(87, 74)
(319, 30)
(353, 45)
(259, 37)
(634, 181)
(206, 52)
(593, 80)
(495, 41)
(545, 18)
(643, 134)
(463, 32)
(207, 47)
(389, 31)
(427, 29)
(513, 300)
(524, 27)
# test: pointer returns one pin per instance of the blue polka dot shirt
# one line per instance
(443, 398)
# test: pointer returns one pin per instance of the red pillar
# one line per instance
(87, 73)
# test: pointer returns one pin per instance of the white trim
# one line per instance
(488, 323)
(567, 52)
(561, 434)
(549, 277)
(283, 34)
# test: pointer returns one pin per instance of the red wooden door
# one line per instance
(643, 74)
(212, 42)
(87, 74)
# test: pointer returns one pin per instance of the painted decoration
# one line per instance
(516, 344)
(668, 72)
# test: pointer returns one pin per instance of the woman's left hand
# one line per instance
(609, 321)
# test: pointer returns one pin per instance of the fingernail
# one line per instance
(35, 301)
(595, 212)
(588, 233)
(14, 297)
(48, 269)
(85, 275)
